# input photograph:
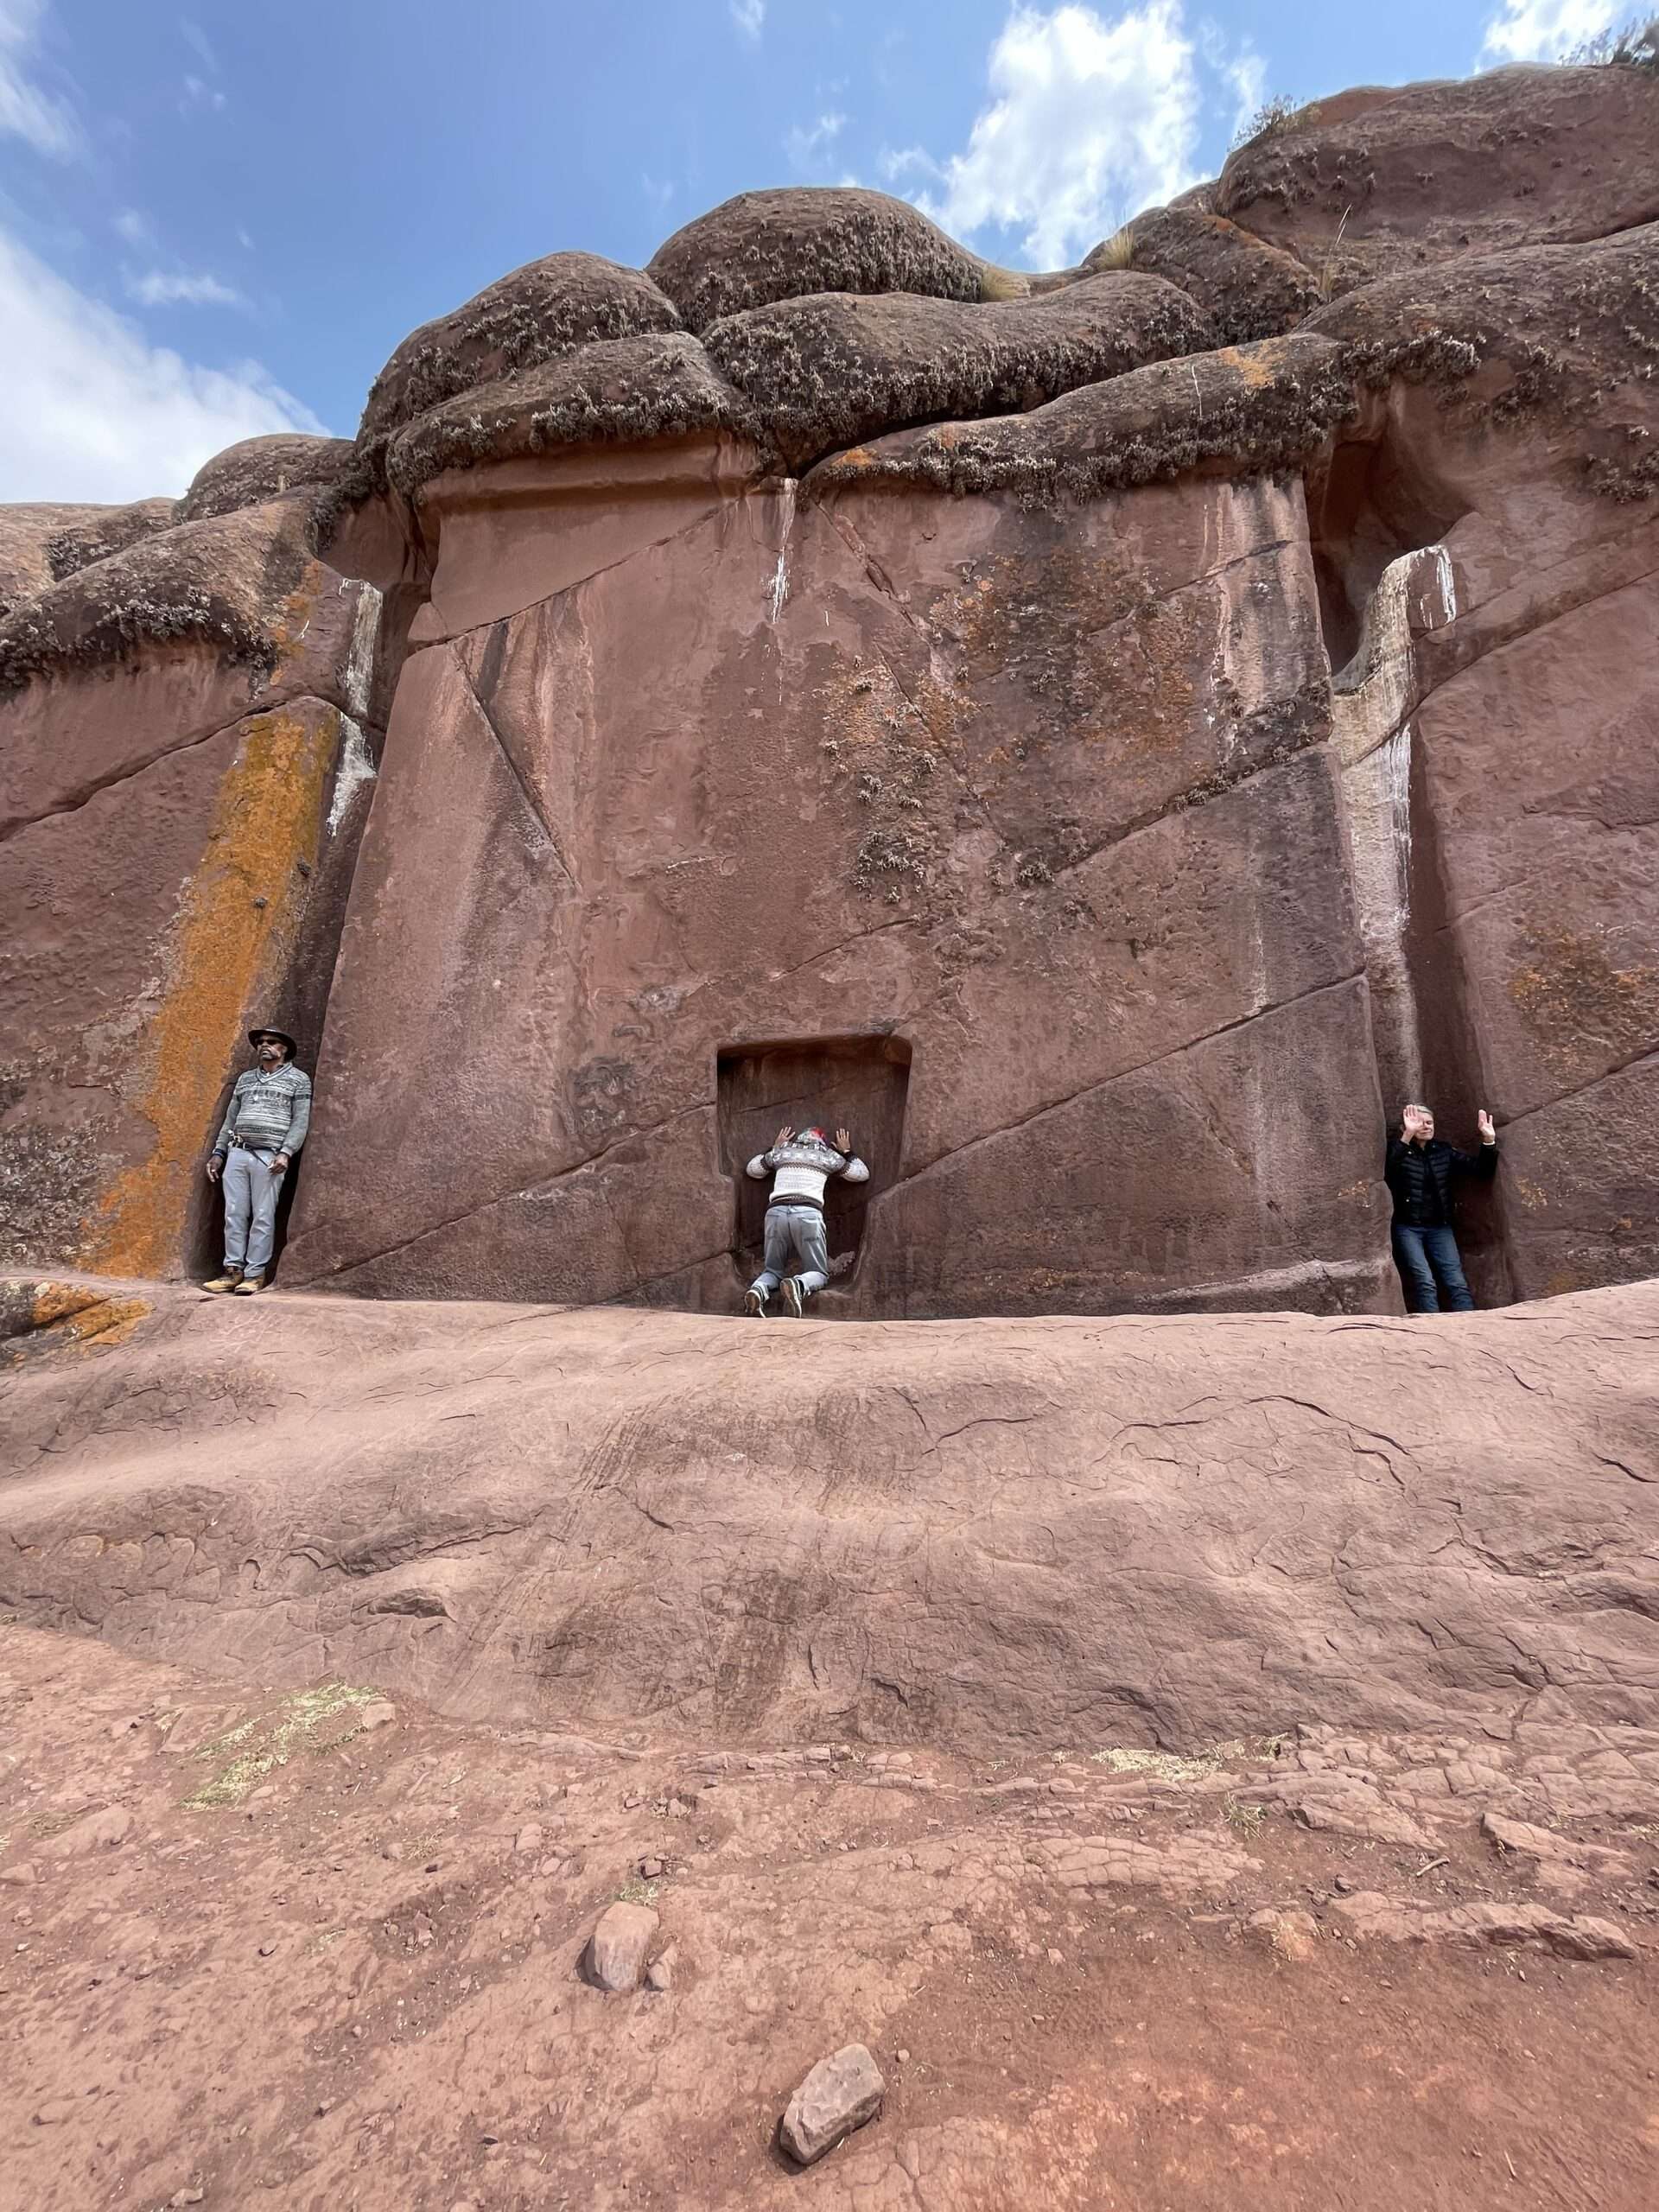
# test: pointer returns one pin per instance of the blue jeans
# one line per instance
(1429, 1263)
(250, 1195)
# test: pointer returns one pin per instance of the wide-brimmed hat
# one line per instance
(264, 1029)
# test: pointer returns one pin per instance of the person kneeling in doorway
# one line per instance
(1420, 1171)
(796, 1236)
(269, 1112)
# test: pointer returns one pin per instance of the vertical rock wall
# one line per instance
(178, 827)
(822, 654)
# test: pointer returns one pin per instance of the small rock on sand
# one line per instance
(617, 1948)
(96, 1831)
(840, 2094)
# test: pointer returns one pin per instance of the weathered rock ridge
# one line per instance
(1109, 735)
(992, 1535)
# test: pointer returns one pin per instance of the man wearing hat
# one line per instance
(269, 1112)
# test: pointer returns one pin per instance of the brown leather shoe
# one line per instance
(229, 1280)
(248, 1285)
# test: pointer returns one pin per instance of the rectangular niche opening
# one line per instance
(857, 1083)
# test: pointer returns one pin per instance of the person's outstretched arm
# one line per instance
(761, 1166)
(852, 1169)
(1483, 1161)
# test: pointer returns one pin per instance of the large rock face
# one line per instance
(185, 765)
(999, 1536)
(1108, 736)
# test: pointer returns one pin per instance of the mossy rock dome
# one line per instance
(256, 469)
(539, 313)
(832, 369)
(784, 244)
(621, 392)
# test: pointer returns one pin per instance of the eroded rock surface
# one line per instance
(992, 1535)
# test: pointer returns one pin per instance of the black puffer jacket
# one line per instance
(1421, 1176)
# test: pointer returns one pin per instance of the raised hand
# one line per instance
(1484, 1123)
(1411, 1123)
(844, 1142)
(785, 1133)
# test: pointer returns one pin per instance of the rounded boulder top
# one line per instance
(254, 470)
(539, 313)
(785, 243)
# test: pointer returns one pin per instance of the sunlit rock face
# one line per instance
(1107, 737)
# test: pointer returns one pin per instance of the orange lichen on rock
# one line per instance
(41, 1316)
(236, 926)
(102, 1321)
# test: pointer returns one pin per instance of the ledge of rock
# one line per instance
(218, 582)
(995, 1535)
(830, 370)
(1358, 184)
(623, 390)
(41, 545)
(1559, 342)
(783, 244)
(258, 469)
(1249, 288)
(537, 314)
(1254, 408)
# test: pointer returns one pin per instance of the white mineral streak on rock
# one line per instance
(359, 659)
(354, 769)
(779, 591)
(1371, 700)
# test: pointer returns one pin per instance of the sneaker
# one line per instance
(228, 1281)
(755, 1302)
(792, 1297)
(248, 1285)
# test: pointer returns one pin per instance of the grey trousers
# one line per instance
(250, 1194)
(794, 1233)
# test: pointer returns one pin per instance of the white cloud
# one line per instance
(198, 94)
(133, 227)
(94, 412)
(1244, 70)
(805, 145)
(1091, 120)
(155, 288)
(47, 124)
(194, 36)
(1544, 30)
(749, 15)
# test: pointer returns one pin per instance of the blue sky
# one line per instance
(219, 221)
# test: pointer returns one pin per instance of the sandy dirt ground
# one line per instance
(313, 1948)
